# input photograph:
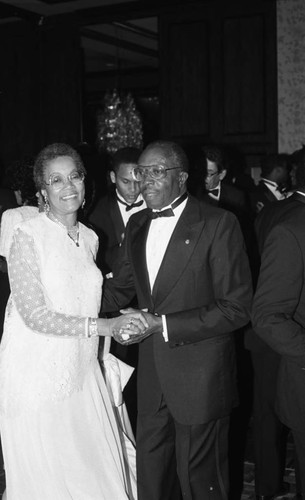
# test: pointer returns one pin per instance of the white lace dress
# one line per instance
(60, 434)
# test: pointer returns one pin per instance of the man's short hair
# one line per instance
(172, 151)
(215, 155)
(271, 161)
(124, 155)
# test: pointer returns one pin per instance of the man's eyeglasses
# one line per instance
(58, 181)
(156, 172)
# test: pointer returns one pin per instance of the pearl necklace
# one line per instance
(72, 232)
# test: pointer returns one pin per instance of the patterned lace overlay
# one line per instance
(28, 293)
(44, 354)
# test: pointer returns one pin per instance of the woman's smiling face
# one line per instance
(67, 198)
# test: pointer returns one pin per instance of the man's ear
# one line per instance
(112, 177)
(183, 178)
(222, 174)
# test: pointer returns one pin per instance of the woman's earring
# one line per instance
(46, 204)
(84, 203)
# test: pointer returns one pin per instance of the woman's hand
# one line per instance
(127, 336)
(129, 324)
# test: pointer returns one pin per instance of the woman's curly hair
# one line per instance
(52, 152)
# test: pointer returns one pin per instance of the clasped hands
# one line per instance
(134, 326)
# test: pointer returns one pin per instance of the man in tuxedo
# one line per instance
(269, 433)
(112, 212)
(278, 311)
(216, 191)
(274, 182)
(187, 264)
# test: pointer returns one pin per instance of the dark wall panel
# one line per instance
(60, 80)
(189, 110)
(19, 91)
(40, 99)
(243, 82)
(218, 74)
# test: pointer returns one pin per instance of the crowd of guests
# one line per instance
(147, 271)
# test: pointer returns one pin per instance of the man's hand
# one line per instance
(154, 326)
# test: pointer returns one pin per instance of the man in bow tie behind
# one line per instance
(112, 212)
(216, 191)
(187, 264)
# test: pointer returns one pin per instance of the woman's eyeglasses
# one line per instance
(58, 181)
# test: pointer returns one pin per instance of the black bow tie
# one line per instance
(168, 212)
(215, 192)
(282, 189)
(130, 207)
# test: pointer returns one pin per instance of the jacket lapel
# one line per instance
(138, 252)
(116, 218)
(180, 249)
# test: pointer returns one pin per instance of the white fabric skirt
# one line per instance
(69, 450)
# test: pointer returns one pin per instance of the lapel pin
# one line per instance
(187, 242)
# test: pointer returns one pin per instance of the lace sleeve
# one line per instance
(28, 294)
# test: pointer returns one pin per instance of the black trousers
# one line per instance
(299, 443)
(177, 461)
(269, 434)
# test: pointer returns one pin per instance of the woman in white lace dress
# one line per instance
(61, 439)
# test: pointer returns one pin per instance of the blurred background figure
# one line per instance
(217, 188)
(18, 191)
(275, 182)
(277, 347)
(213, 188)
(112, 211)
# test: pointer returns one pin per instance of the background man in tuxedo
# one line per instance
(112, 211)
(274, 183)
(186, 262)
(217, 192)
(278, 309)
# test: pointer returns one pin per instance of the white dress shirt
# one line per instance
(212, 195)
(160, 232)
(126, 214)
(273, 187)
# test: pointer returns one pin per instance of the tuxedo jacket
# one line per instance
(230, 198)
(271, 214)
(108, 223)
(278, 314)
(204, 288)
(261, 194)
(235, 200)
(267, 218)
